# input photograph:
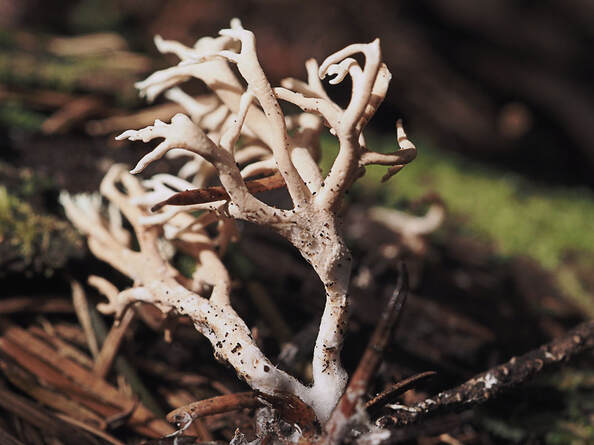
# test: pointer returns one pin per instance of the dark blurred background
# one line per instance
(505, 81)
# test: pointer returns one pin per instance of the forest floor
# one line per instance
(509, 269)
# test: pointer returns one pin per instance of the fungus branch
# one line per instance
(212, 137)
(155, 281)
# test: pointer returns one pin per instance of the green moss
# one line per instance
(29, 185)
(14, 115)
(6, 38)
(570, 282)
(47, 71)
(517, 215)
(61, 73)
(520, 216)
(32, 241)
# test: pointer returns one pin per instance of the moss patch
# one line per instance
(517, 215)
(520, 216)
(14, 115)
(31, 240)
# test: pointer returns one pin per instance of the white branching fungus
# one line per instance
(210, 138)
(410, 228)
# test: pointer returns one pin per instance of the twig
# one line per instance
(430, 427)
(290, 408)
(346, 407)
(112, 342)
(393, 391)
(79, 300)
(491, 383)
(70, 332)
(184, 397)
(295, 412)
(183, 417)
(125, 368)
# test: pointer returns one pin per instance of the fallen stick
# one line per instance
(491, 383)
(394, 390)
